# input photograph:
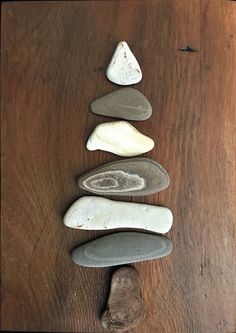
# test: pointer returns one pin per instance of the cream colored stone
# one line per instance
(120, 138)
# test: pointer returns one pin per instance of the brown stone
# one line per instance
(125, 308)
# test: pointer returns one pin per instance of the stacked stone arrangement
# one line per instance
(136, 176)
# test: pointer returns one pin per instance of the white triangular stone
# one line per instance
(124, 68)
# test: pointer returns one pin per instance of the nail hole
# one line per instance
(187, 49)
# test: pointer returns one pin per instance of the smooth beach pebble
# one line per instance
(128, 177)
(125, 308)
(123, 68)
(120, 138)
(96, 213)
(121, 248)
(125, 103)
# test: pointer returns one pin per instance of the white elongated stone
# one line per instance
(123, 68)
(120, 138)
(95, 213)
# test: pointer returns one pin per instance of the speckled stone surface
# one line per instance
(121, 248)
(125, 103)
(96, 213)
(124, 68)
(125, 308)
(128, 177)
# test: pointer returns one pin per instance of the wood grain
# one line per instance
(54, 56)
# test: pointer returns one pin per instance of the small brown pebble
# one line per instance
(125, 308)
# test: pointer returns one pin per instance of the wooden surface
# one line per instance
(54, 56)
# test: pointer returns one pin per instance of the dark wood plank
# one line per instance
(54, 56)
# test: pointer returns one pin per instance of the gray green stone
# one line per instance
(128, 177)
(121, 248)
(125, 103)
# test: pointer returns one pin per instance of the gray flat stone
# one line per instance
(125, 308)
(129, 177)
(121, 248)
(125, 103)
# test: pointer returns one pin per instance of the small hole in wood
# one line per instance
(187, 48)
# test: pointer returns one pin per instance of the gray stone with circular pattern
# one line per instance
(128, 177)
